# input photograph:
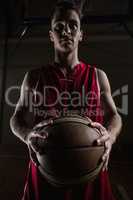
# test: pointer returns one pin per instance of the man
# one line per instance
(66, 73)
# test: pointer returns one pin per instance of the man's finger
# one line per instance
(37, 142)
(105, 165)
(90, 121)
(42, 134)
(98, 125)
(34, 139)
(44, 123)
(105, 155)
(103, 139)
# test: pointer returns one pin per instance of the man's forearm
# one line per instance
(114, 126)
(20, 129)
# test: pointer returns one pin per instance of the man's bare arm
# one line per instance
(22, 121)
(113, 122)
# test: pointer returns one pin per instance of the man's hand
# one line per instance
(105, 139)
(37, 137)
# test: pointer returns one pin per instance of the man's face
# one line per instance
(65, 31)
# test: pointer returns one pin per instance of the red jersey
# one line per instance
(77, 91)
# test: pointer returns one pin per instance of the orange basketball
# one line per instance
(70, 155)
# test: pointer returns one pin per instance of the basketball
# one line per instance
(70, 155)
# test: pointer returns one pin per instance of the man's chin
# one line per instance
(67, 48)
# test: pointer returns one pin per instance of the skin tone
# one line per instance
(66, 34)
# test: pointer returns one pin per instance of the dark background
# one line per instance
(108, 43)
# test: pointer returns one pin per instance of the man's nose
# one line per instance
(67, 29)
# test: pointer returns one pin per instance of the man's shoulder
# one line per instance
(101, 73)
(103, 79)
(101, 76)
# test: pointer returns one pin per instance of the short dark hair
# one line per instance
(65, 5)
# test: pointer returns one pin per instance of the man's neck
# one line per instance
(66, 60)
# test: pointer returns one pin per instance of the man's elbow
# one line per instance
(117, 121)
(120, 120)
(13, 124)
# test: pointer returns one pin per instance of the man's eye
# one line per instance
(73, 26)
(59, 27)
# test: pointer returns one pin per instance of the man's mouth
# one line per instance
(67, 40)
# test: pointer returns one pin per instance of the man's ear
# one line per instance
(81, 35)
(51, 36)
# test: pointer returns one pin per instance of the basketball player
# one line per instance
(65, 73)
